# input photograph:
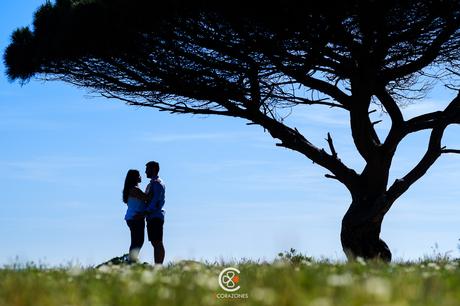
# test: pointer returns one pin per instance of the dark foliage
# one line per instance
(258, 61)
(121, 260)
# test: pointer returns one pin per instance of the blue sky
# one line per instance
(230, 192)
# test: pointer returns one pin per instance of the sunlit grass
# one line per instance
(287, 281)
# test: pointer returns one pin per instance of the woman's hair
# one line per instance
(132, 179)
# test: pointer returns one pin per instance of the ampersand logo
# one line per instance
(229, 279)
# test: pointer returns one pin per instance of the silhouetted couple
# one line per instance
(145, 206)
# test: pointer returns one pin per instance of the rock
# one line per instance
(121, 260)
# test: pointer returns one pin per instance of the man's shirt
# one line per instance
(155, 206)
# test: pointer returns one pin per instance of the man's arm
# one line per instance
(154, 193)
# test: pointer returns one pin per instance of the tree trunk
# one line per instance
(360, 235)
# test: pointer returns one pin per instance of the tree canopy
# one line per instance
(254, 60)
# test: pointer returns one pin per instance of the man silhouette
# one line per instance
(155, 212)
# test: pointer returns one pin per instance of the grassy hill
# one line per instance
(291, 280)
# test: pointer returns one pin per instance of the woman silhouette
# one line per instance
(135, 216)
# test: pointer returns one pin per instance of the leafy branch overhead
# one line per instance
(257, 60)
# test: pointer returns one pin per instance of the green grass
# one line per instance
(290, 280)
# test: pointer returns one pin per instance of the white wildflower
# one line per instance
(207, 281)
(433, 265)
(340, 280)
(426, 274)
(379, 287)
(165, 293)
(193, 266)
(158, 267)
(409, 269)
(105, 269)
(280, 264)
(75, 271)
(125, 274)
(172, 280)
(322, 301)
(133, 287)
(263, 294)
(361, 261)
(148, 277)
(450, 267)
(208, 299)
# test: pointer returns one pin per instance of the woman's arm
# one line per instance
(139, 194)
(149, 196)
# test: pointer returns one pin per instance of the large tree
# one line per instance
(254, 60)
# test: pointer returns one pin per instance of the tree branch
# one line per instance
(438, 122)
(396, 133)
(331, 176)
(390, 105)
(302, 101)
(331, 145)
(450, 151)
(292, 139)
(433, 152)
(450, 115)
(362, 130)
(303, 78)
(176, 108)
(431, 53)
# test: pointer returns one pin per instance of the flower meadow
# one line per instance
(286, 281)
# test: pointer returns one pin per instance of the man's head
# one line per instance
(152, 168)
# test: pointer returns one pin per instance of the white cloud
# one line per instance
(13, 121)
(224, 166)
(212, 136)
(44, 169)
